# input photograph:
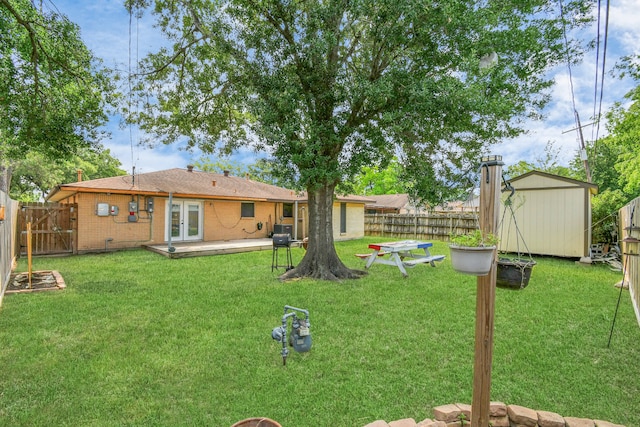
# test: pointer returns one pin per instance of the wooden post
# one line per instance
(29, 253)
(490, 179)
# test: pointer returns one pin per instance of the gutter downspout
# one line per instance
(170, 248)
(295, 220)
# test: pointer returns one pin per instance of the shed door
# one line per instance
(185, 221)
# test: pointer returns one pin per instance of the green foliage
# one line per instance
(377, 180)
(139, 339)
(604, 215)
(474, 239)
(328, 88)
(52, 93)
(219, 166)
(35, 175)
(268, 170)
(262, 170)
(624, 128)
(548, 163)
(614, 160)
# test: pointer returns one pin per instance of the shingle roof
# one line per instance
(180, 182)
(395, 201)
(185, 183)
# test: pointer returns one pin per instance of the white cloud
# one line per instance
(105, 29)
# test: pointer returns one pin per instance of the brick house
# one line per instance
(131, 211)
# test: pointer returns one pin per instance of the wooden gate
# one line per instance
(53, 228)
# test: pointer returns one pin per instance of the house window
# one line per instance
(287, 210)
(343, 217)
(247, 210)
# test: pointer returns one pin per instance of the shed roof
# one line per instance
(186, 183)
(548, 180)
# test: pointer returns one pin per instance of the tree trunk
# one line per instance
(321, 260)
(5, 178)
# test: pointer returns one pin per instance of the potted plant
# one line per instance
(473, 253)
(514, 273)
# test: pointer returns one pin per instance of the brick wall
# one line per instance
(501, 415)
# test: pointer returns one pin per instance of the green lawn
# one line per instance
(138, 339)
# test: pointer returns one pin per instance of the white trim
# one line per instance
(184, 204)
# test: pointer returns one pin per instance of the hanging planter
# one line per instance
(473, 253)
(514, 273)
(475, 261)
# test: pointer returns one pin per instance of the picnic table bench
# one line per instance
(398, 251)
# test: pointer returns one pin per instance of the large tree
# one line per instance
(35, 175)
(377, 180)
(326, 87)
(615, 159)
(52, 92)
(622, 144)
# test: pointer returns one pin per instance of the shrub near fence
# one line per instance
(431, 226)
(9, 210)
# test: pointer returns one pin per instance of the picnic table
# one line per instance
(398, 251)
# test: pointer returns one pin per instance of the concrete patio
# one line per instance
(192, 249)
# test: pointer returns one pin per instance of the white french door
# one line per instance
(184, 221)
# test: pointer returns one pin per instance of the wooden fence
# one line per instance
(53, 228)
(8, 217)
(630, 230)
(432, 226)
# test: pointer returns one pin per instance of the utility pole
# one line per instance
(490, 179)
(583, 149)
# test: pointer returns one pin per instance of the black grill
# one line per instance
(281, 240)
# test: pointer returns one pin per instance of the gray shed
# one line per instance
(553, 214)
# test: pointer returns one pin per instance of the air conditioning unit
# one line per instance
(283, 229)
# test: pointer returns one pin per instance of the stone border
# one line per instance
(500, 415)
(56, 275)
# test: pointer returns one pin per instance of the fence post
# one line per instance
(29, 253)
(486, 294)
(384, 222)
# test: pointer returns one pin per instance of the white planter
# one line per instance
(475, 261)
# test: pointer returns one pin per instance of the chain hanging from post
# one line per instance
(508, 206)
(522, 265)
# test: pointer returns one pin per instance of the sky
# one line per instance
(104, 28)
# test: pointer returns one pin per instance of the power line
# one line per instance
(604, 60)
(573, 98)
(131, 76)
(595, 86)
(129, 82)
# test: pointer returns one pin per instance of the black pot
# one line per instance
(514, 273)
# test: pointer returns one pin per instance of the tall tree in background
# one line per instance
(378, 180)
(615, 159)
(326, 87)
(35, 175)
(623, 143)
(548, 163)
(262, 170)
(52, 95)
